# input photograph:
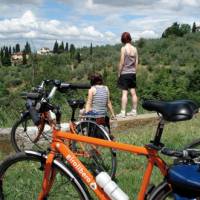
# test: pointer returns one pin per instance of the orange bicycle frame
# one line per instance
(57, 145)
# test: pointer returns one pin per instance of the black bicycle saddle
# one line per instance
(173, 111)
(76, 103)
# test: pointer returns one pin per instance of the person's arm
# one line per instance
(109, 105)
(111, 108)
(136, 57)
(88, 106)
(121, 62)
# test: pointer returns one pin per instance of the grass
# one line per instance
(131, 167)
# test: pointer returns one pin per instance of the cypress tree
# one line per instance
(17, 48)
(66, 47)
(27, 48)
(55, 48)
(7, 58)
(91, 49)
(78, 57)
(72, 50)
(1, 56)
(24, 60)
(61, 48)
(194, 28)
(10, 50)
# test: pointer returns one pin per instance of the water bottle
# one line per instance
(110, 187)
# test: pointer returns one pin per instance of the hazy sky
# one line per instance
(81, 22)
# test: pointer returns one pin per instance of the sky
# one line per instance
(82, 22)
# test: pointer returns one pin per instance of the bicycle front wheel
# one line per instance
(21, 178)
(193, 145)
(162, 192)
(165, 192)
(24, 134)
(97, 158)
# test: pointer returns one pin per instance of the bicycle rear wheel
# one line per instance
(97, 158)
(21, 178)
(24, 133)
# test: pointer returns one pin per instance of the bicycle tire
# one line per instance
(24, 132)
(102, 159)
(161, 192)
(164, 192)
(21, 177)
(195, 144)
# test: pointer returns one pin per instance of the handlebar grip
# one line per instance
(64, 87)
(30, 95)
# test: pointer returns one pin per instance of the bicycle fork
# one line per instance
(49, 176)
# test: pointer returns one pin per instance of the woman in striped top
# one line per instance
(98, 100)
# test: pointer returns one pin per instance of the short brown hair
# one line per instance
(126, 37)
(96, 79)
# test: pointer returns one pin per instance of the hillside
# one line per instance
(169, 68)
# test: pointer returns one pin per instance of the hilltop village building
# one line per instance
(44, 51)
(17, 58)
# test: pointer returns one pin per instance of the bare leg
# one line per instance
(124, 99)
(123, 104)
(134, 98)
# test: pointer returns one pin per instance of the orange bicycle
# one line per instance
(61, 175)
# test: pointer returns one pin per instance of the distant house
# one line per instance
(44, 51)
(198, 28)
(17, 58)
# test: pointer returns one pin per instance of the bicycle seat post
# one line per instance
(159, 132)
(73, 114)
(58, 116)
(156, 142)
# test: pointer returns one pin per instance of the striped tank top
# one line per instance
(100, 100)
(129, 64)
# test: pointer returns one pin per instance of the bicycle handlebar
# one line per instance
(57, 85)
(39, 94)
(72, 86)
(64, 85)
(188, 153)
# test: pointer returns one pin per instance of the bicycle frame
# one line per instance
(58, 146)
